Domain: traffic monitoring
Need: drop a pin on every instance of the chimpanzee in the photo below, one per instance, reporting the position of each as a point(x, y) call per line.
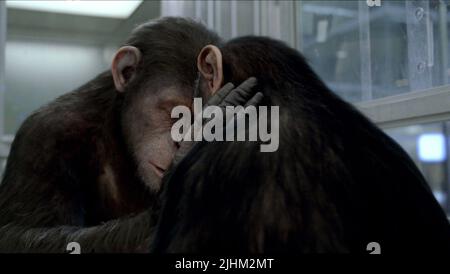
point(335, 184)
point(98, 153)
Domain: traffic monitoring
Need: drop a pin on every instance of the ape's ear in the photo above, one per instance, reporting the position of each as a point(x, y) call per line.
point(209, 63)
point(124, 65)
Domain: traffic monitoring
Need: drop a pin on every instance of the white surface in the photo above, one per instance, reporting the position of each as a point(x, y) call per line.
point(115, 9)
point(431, 147)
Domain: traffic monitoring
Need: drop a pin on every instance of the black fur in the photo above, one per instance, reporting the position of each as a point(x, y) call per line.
point(336, 183)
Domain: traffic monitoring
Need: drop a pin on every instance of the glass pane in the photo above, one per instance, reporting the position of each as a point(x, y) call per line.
point(277, 20)
point(331, 43)
point(244, 18)
point(427, 144)
point(371, 49)
point(222, 19)
point(184, 8)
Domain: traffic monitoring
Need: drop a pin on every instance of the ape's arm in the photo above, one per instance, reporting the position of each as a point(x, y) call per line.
point(44, 198)
point(132, 234)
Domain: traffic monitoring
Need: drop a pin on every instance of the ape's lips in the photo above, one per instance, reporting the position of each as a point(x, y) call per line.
point(157, 169)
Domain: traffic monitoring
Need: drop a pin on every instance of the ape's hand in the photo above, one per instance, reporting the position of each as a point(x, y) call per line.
point(230, 96)
point(243, 95)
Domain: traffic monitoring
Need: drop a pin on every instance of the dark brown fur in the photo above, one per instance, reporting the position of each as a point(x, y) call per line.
point(69, 170)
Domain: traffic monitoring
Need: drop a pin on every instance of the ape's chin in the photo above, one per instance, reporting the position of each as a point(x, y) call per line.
point(150, 177)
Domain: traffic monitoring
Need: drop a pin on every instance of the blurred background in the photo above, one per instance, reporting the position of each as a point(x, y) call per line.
point(389, 58)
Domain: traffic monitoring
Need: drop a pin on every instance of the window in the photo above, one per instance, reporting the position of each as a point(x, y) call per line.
point(428, 146)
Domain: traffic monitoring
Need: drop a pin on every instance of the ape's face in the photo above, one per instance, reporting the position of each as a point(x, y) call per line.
point(147, 125)
point(146, 120)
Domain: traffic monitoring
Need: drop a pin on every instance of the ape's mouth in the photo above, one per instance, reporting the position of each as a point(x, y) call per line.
point(157, 169)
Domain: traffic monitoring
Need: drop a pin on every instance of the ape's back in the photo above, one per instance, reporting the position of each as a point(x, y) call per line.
point(335, 184)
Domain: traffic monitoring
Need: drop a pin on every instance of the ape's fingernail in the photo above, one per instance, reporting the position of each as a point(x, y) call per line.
point(252, 80)
point(229, 85)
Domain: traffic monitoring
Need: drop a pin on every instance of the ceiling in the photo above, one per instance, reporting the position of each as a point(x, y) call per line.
point(38, 25)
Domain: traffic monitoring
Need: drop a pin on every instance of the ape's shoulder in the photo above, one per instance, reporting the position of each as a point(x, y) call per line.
point(73, 113)
point(70, 121)
point(62, 117)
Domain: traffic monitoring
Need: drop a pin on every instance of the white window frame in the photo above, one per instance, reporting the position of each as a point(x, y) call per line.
point(412, 108)
point(425, 104)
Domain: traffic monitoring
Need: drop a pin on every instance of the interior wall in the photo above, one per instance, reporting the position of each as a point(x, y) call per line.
point(49, 54)
point(2, 62)
point(39, 71)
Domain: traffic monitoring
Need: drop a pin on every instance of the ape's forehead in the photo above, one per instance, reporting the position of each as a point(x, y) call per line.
point(172, 96)
point(163, 83)
point(165, 97)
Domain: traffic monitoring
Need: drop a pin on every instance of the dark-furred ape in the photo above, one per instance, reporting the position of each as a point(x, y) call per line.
point(86, 166)
point(336, 183)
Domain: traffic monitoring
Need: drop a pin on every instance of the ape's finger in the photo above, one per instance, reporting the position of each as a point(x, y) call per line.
point(241, 94)
point(248, 84)
point(255, 100)
point(222, 93)
point(185, 147)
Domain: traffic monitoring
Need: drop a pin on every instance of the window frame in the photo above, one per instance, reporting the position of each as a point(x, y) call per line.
point(5, 141)
point(411, 108)
point(3, 25)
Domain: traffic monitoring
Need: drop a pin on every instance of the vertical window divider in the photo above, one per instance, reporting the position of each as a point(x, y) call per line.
point(3, 23)
point(365, 49)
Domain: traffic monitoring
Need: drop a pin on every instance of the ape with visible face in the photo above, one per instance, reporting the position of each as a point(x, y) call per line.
point(98, 154)
point(336, 183)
